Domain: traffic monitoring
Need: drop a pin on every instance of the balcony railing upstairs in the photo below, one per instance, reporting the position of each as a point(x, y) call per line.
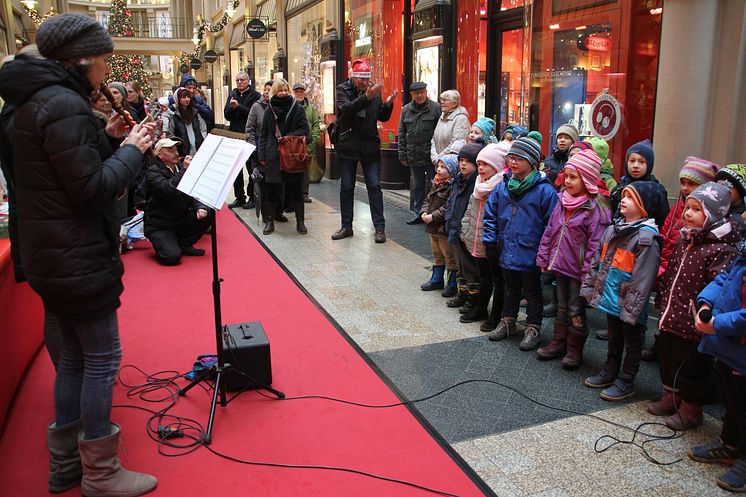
point(156, 26)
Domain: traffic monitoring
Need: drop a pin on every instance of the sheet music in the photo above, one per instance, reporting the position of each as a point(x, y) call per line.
point(214, 167)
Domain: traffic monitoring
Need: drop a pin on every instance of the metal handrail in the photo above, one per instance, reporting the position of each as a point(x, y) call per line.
point(157, 26)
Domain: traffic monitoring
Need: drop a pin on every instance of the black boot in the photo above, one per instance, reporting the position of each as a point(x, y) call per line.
point(460, 298)
point(269, 226)
point(478, 312)
point(300, 217)
point(450, 289)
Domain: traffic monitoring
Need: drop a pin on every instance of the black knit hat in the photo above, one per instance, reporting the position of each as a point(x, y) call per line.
point(470, 151)
point(72, 36)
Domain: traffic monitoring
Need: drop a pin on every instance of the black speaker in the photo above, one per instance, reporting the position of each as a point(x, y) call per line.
point(247, 350)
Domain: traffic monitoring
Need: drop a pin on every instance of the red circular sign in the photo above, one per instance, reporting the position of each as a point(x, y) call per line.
point(605, 116)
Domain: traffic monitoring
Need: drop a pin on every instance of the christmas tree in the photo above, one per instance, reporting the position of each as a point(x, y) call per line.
point(126, 67)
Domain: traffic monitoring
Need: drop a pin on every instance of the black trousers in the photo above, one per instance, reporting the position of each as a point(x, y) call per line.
point(498, 282)
point(468, 270)
point(678, 355)
point(272, 196)
point(238, 185)
point(624, 340)
point(169, 242)
point(732, 388)
point(527, 284)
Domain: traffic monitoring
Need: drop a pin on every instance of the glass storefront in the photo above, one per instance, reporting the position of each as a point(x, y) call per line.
point(572, 53)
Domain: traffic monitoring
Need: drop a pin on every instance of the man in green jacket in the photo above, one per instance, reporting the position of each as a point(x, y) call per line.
point(299, 90)
point(416, 127)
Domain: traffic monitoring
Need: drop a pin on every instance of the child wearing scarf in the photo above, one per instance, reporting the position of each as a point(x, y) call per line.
point(567, 246)
point(514, 220)
point(433, 214)
point(703, 251)
point(490, 169)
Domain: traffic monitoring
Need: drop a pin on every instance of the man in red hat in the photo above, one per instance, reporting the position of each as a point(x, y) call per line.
point(359, 108)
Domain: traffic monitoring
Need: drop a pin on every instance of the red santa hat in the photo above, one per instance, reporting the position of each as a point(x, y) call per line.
point(360, 69)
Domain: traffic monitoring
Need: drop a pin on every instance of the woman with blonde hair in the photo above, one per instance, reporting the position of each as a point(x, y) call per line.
point(283, 117)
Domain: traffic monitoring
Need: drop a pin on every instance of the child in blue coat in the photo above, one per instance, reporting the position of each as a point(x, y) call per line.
point(515, 217)
point(724, 338)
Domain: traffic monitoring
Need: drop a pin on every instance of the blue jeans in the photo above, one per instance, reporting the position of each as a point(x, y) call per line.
point(85, 378)
point(372, 173)
point(421, 177)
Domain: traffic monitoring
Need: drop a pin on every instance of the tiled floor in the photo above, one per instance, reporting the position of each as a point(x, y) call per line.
point(518, 447)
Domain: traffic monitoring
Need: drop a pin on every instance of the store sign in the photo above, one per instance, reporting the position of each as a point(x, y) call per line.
point(183, 69)
point(647, 48)
point(211, 56)
point(598, 43)
point(195, 64)
point(364, 39)
point(606, 116)
point(256, 29)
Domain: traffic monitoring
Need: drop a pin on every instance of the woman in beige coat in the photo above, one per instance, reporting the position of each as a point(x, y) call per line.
point(452, 128)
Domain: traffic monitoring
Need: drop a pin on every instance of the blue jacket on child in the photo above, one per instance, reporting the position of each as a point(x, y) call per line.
point(515, 224)
point(726, 294)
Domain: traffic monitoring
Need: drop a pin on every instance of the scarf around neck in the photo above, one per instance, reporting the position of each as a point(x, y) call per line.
point(482, 189)
point(570, 202)
point(518, 186)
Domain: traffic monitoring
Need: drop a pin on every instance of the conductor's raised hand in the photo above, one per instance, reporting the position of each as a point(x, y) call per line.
point(374, 91)
point(391, 98)
point(141, 136)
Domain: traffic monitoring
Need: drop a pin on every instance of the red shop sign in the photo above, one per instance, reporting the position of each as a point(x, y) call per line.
point(598, 43)
point(606, 115)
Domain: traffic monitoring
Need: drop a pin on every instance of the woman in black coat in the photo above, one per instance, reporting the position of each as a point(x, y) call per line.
point(283, 111)
point(187, 125)
point(67, 177)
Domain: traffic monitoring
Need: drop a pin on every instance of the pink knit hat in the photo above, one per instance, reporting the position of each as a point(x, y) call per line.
point(493, 154)
point(698, 170)
point(587, 164)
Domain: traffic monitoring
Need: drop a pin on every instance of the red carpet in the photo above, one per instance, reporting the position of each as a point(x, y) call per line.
point(167, 319)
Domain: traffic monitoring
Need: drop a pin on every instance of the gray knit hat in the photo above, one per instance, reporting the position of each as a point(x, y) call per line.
point(72, 36)
point(120, 88)
point(526, 148)
point(715, 201)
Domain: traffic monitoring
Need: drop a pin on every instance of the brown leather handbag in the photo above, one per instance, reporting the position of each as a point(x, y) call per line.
point(292, 150)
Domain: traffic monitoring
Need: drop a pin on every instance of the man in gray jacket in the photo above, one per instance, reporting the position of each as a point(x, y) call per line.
point(416, 127)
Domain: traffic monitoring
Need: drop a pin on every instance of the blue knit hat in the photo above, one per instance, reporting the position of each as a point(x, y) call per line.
point(450, 161)
point(470, 151)
point(487, 126)
point(647, 195)
point(644, 148)
point(526, 148)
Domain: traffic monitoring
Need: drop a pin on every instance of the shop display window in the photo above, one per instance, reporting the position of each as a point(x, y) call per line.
point(373, 31)
point(305, 31)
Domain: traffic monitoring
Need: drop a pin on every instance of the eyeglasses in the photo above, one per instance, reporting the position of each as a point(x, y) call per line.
point(513, 159)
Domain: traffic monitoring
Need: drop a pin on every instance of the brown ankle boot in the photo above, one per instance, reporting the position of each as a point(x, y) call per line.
point(688, 416)
point(664, 406)
point(103, 474)
point(65, 470)
point(575, 344)
point(557, 346)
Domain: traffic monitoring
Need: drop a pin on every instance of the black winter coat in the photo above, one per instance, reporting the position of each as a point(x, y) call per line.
point(553, 164)
point(180, 132)
point(357, 123)
point(416, 128)
point(295, 124)
point(240, 114)
point(458, 201)
point(166, 206)
point(66, 184)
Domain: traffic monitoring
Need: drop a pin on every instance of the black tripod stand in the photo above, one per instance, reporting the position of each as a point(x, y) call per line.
point(219, 370)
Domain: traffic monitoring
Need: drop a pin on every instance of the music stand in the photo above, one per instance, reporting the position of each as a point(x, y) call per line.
point(219, 370)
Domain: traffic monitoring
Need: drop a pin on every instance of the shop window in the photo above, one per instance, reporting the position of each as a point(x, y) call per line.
point(305, 31)
point(482, 88)
point(511, 77)
point(510, 4)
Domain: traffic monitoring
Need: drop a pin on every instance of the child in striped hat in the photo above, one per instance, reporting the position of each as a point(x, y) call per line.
point(575, 227)
point(695, 172)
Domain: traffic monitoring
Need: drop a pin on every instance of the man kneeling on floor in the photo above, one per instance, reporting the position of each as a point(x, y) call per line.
point(174, 221)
